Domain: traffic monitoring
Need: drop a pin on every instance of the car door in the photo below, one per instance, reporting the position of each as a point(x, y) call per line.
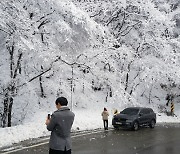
point(150, 115)
point(143, 117)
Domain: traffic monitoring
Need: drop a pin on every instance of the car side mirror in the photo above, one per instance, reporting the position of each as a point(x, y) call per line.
point(140, 114)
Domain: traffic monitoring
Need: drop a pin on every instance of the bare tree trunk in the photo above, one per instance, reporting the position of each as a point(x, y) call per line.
point(72, 71)
point(10, 111)
point(83, 87)
point(127, 78)
point(150, 95)
point(41, 86)
point(11, 89)
point(4, 115)
point(8, 103)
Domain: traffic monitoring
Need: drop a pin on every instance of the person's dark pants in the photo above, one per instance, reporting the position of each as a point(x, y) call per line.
point(51, 151)
point(105, 124)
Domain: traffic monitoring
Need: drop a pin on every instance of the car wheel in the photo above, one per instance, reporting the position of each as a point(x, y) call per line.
point(116, 127)
point(152, 124)
point(135, 126)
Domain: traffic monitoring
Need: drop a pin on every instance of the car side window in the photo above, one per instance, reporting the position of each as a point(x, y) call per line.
point(151, 111)
point(142, 112)
point(145, 111)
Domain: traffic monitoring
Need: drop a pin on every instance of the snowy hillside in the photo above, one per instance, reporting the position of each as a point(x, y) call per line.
point(97, 53)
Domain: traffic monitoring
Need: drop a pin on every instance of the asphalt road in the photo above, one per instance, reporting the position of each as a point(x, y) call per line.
point(163, 139)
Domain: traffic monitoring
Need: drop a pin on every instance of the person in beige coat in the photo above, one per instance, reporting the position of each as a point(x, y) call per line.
point(105, 115)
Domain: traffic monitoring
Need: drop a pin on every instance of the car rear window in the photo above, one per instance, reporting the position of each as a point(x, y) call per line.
point(130, 111)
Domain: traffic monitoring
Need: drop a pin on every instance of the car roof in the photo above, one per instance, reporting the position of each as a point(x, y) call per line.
point(134, 108)
point(137, 108)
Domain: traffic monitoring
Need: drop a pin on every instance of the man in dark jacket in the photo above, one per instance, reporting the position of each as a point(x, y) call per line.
point(60, 125)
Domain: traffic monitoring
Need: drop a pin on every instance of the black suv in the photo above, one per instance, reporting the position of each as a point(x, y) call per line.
point(134, 117)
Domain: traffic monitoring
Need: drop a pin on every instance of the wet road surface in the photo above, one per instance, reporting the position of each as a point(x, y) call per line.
point(163, 139)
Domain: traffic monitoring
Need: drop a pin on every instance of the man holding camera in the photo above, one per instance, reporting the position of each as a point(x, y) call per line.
point(60, 124)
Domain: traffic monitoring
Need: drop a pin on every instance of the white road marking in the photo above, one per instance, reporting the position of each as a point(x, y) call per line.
point(46, 142)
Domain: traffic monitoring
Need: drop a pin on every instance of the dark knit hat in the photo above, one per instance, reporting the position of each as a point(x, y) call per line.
point(62, 101)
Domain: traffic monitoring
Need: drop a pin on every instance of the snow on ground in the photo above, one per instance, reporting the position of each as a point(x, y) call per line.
point(84, 120)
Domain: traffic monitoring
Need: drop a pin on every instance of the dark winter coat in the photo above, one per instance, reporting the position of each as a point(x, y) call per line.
point(60, 127)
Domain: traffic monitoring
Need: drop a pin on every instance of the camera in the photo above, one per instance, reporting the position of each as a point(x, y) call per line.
point(49, 116)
